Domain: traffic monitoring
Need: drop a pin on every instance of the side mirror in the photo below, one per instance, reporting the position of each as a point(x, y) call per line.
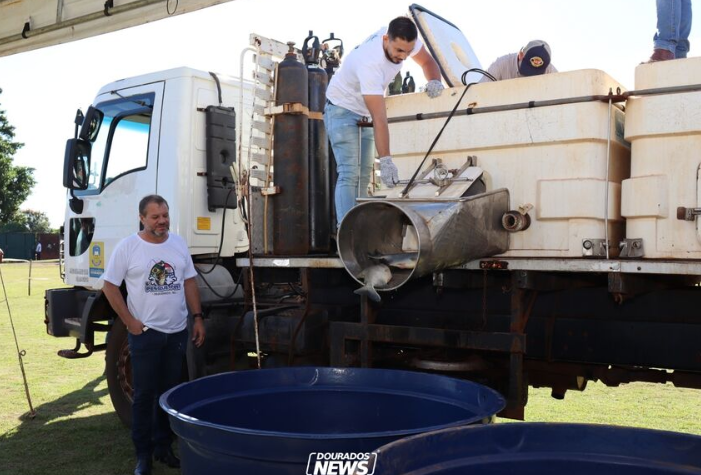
point(76, 164)
point(91, 124)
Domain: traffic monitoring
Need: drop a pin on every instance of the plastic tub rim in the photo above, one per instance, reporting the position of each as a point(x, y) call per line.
point(499, 404)
point(573, 454)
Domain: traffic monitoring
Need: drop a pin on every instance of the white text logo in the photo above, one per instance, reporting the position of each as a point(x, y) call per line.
point(341, 463)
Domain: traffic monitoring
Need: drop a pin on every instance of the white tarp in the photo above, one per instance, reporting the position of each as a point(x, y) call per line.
point(53, 22)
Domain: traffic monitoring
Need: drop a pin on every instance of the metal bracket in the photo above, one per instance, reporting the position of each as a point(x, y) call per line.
point(293, 108)
point(631, 248)
point(27, 28)
point(594, 247)
point(271, 190)
point(258, 174)
point(687, 214)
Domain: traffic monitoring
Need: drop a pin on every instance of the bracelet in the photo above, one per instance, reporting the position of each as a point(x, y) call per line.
point(198, 314)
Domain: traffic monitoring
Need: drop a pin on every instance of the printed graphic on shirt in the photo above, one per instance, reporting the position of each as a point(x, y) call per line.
point(162, 279)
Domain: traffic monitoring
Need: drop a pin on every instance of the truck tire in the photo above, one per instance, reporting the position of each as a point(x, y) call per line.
point(118, 371)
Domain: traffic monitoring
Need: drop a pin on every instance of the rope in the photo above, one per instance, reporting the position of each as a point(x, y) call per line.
point(20, 353)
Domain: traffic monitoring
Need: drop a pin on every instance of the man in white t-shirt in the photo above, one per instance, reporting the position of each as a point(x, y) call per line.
point(37, 251)
point(356, 93)
point(160, 280)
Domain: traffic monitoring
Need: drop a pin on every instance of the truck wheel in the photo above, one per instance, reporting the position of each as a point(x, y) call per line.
point(118, 371)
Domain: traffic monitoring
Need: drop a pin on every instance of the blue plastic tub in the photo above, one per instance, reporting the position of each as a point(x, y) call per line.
point(542, 449)
point(272, 421)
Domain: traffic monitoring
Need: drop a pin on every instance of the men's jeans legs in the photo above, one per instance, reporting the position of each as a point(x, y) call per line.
point(353, 177)
point(673, 26)
point(156, 360)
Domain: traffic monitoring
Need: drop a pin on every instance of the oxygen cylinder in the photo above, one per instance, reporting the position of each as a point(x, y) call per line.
point(291, 161)
point(319, 203)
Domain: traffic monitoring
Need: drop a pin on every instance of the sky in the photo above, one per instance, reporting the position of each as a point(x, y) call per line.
point(42, 89)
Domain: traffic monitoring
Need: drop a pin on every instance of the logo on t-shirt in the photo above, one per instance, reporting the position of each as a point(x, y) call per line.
point(162, 279)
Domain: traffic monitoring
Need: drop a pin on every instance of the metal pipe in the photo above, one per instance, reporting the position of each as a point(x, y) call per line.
point(662, 90)
point(59, 10)
point(423, 200)
point(606, 183)
point(614, 98)
point(505, 107)
point(514, 221)
point(77, 21)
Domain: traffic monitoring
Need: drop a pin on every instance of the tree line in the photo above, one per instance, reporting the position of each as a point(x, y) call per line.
point(16, 183)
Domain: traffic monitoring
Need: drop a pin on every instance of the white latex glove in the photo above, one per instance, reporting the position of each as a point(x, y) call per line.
point(434, 88)
point(388, 172)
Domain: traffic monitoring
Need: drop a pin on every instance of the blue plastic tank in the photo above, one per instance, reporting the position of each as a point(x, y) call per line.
point(542, 449)
point(296, 420)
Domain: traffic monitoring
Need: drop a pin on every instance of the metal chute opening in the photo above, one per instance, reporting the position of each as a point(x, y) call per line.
point(379, 232)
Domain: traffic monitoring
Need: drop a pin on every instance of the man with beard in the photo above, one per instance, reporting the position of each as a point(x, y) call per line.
point(356, 94)
point(160, 279)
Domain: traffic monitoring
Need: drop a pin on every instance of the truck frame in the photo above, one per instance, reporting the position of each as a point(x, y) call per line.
point(507, 321)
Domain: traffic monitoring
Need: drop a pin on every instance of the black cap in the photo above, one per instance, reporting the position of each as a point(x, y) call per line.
point(536, 58)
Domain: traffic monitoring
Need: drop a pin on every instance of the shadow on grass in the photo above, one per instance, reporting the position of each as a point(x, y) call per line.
point(60, 441)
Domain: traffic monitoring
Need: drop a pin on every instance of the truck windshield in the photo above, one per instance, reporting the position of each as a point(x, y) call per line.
point(121, 147)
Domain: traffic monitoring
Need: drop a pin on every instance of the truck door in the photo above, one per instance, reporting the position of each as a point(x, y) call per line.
point(123, 169)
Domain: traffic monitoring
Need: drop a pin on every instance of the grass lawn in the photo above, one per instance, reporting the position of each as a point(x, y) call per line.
point(76, 431)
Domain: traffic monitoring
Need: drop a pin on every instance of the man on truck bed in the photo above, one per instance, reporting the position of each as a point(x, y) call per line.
point(160, 279)
point(532, 60)
point(671, 40)
point(356, 92)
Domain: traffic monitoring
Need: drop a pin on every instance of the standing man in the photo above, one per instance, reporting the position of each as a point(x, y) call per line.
point(356, 92)
point(160, 279)
point(532, 60)
point(671, 41)
point(37, 251)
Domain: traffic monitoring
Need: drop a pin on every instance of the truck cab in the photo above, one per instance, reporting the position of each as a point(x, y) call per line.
point(150, 138)
point(144, 135)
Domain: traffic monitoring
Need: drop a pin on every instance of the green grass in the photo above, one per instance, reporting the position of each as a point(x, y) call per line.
point(76, 431)
point(648, 405)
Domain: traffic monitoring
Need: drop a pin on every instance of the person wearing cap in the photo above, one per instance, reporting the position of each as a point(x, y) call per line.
point(357, 92)
point(671, 40)
point(532, 60)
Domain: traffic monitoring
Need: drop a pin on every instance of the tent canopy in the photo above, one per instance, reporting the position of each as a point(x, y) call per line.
point(31, 24)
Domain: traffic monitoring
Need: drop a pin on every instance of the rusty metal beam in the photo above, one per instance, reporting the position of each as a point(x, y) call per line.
point(340, 332)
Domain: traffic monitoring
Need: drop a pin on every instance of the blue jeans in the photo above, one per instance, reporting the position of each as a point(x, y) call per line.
point(156, 366)
point(354, 167)
point(673, 26)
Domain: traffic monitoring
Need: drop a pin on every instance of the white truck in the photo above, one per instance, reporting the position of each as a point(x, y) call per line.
point(550, 237)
